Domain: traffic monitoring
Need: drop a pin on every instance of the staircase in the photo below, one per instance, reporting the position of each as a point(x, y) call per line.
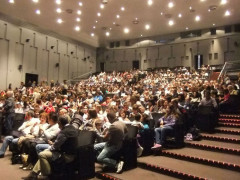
point(216, 156)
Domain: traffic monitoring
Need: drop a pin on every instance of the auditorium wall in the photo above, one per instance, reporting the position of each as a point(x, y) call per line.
point(24, 51)
point(151, 53)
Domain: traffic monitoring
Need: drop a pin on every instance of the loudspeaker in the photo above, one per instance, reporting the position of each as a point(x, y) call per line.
point(27, 40)
point(57, 65)
point(20, 67)
point(52, 47)
point(71, 52)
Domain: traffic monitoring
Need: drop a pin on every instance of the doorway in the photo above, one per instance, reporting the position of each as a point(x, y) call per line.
point(135, 64)
point(30, 78)
point(198, 61)
point(102, 66)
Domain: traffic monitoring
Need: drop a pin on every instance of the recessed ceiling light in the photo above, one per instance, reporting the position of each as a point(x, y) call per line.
point(36, 1)
point(161, 13)
point(38, 11)
point(94, 27)
point(126, 30)
point(101, 6)
point(59, 20)
point(79, 12)
point(170, 4)
point(171, 22)
point(213, 24)
point(190, 7)
point(179, 15)
point(96, 21)
point(80, 3)
point(58, 1)
point(78, 19)
point(197, 18)
point(98, 14)
point(114, 23)
point(141, 35)
point(147, 26)
point(117, 16)
point(59, 10)
point(110, 29)
point(92, 34)
point(122, 8)
point(77, 28)
point(227, 13)
point(186, 28)
point(11, 1)
point(203, 0)
point(223, 2)
point(150, 2)
point(107, 34)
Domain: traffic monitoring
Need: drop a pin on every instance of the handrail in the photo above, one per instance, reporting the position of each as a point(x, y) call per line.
point(222, 71)
point(78, 77)
point(224, 67)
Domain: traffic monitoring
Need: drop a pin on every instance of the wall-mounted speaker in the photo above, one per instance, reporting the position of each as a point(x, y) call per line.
point(52, 47)
point(57, 65)
point(236, 44)
point(27, 40)
point(20, 67)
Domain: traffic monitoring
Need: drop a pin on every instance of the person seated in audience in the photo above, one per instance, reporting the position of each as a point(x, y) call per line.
point(18, 108)
point(47, 136)
point(167, 123)
point(24, 129)
point(65, 145)
point(114, 136)
point(208, 100)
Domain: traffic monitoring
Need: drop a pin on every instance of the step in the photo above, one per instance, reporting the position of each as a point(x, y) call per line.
point(229, 124)
point(229, 115)
point(137, 173)
point(225, 120)
point(226, 161)
point(215, 146)
point(221, 137)
point(199, 171)
point(228, 130)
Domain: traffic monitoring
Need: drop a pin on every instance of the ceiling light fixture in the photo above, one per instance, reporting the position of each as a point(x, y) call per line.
point(213, 24)
point(59, 20)
point(77, 28)
point(150, 2)
point(80, 4)
point(141, 35)
point(79, 12)
point(78, 19)
point(11, 1)
point(107, 34)
point(227, 13)
point(170, 4)
point(170, 22)
point(101, 6)
point(96, 21)
point(94, 27)
point(98, 14)
point(197, 18)
point(36, 1)
point(161, 13)
point(122, 9)
point(92, 34)
point(58, 1)
point(186, 28)
point(179, 15)
point(126, 30)
point(147, 26)
point(223, 2)
point(117, 16)
point(59, 10)
point(38, 11)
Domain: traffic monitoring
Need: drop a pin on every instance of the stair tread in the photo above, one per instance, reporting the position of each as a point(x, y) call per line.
point(192, 168)
point(228, 128)
point(139, 173)
point(216, 143)
point(222, 135)
point(216, 156)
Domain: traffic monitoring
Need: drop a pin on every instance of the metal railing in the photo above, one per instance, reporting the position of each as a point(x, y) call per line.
point(78, 78)
point(230, 66)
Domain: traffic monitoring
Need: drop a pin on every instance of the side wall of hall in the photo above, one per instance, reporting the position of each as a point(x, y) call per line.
point(151, 53)
point(48, 57)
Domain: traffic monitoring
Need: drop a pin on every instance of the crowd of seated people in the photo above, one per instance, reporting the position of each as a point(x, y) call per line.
point(105, 103)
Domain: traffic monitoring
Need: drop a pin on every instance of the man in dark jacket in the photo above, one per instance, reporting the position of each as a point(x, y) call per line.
point(8, 109)
point(64, 145)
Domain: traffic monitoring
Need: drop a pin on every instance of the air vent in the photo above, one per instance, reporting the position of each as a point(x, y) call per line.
point(212, 7)
point(135, 21)
point(69, 11)
point(104, 28)
point(117, 25)
point(104, 1)
point(168, 16)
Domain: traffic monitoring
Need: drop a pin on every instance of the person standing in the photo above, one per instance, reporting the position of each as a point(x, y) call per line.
point(8, 109)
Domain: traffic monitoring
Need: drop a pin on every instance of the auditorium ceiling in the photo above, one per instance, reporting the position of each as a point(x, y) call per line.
point(96, 22)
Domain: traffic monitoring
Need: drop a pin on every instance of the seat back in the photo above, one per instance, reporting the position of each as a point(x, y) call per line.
point(86, 138)
point(156, 116)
